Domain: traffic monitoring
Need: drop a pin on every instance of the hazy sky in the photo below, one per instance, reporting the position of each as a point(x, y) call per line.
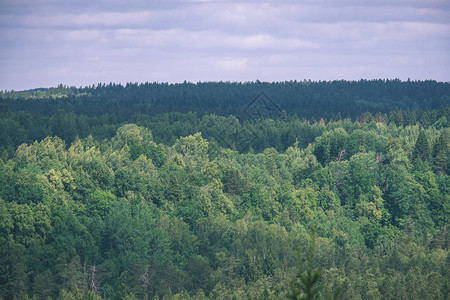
point(47, 42)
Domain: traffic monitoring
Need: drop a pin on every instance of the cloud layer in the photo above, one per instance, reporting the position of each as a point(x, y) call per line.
point(46, 42)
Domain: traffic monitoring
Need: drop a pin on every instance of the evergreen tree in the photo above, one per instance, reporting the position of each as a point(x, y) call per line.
point(306, 285)
point(421, 148)
point(441, 153)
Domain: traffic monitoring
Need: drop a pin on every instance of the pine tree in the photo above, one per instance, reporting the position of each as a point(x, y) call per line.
point(421, 149)
point(441, 143)
point(440, 153)
point(306, 284)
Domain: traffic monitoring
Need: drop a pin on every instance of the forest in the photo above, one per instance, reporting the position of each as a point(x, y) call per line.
point(226, 190)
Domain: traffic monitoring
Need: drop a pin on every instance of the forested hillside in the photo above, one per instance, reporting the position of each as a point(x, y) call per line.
point(166, 192)
point(323, 99)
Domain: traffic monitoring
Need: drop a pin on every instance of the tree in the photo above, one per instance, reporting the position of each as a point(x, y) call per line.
point(421, 148)
point(306, 285)
point(99, 202)
point(131, 134)
point(441, 151)
point(194, 149)
point(132, 236)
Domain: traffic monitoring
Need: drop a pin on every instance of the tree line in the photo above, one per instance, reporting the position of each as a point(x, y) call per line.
point(307, 99)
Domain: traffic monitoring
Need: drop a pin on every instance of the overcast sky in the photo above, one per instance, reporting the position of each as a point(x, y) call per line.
point(47, 42)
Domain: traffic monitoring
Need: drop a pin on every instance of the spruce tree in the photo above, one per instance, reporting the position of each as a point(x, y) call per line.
point(441, 143)
point(421, 149)
point(306, 285)
point(441, 153)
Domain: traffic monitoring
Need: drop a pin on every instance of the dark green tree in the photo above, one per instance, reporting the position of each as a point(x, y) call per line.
point(306, 285)
point(441, 151)
point(421, 148)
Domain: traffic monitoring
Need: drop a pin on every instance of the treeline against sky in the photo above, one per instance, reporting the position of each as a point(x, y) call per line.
point(306, 99)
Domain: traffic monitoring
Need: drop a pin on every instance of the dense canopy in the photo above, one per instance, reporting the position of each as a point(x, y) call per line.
point(166, 191)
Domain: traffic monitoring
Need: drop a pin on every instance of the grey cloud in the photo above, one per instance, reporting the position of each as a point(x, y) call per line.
point(45, 42)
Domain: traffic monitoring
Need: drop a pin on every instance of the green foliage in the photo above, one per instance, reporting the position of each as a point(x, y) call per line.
point(194, 150)
point(158, 210)
point(99, 202)
point(441, 153)
point(131, 134)
point(421, 148)
point(132, 235)
point(306, 285)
